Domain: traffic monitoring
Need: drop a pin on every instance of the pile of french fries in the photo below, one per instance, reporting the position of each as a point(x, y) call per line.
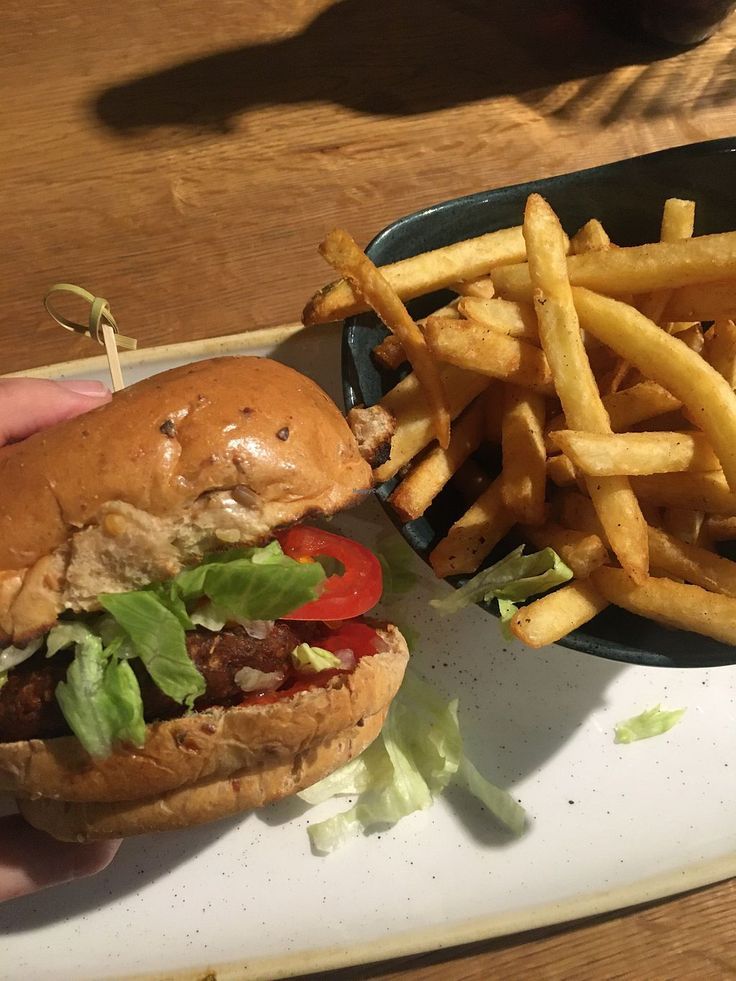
point(607, 377)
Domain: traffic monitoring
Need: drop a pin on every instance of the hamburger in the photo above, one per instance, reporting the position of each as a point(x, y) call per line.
point(176, 643)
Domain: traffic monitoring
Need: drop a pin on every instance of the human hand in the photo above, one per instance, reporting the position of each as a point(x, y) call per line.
point(30, 404)
point(29, 859)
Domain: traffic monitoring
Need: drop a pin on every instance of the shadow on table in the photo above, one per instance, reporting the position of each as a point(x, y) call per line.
point(419, 56)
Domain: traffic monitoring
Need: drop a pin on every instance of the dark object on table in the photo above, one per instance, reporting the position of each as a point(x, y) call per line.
point(680, 22)
point(627, 197)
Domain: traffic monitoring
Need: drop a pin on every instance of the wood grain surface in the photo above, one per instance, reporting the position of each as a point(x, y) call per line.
point(184, 158)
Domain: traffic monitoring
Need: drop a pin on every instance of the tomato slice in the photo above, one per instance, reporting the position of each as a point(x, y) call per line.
point(344, 596)
point(361, 639)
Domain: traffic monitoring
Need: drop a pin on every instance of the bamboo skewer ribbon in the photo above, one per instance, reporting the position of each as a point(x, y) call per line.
point(101, 327)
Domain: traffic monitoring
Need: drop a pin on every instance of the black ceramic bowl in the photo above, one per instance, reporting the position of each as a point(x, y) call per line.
point(627, 197)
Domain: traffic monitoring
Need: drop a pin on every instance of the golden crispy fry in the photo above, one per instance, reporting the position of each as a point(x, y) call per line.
point(482, 287)
point(555, 615)
point(561, 471)
point(707, 492)
point(581, 552)
point(674, 604)
point(703, 301)
point(678, 223)
point(523, 474)
point(427, 478)
point(592, 237)
point(720, 349)
point(719, 529)
point(602, 455)
point(627, 408)
point(474, 535)
point(662, 265)
point(695, 565)
point(390, 352)
point(562, 342)
point(513, 319)
point(707, 395)
point(422, 274)
point(343, 254)
point(691, 337)
point(683, 524)
point(407, 404)
point(471, 345)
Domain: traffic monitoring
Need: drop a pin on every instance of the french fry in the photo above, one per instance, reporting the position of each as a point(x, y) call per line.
point(706, 394)
point(482, 288)
point(702, 301)
point(390, 352)
point(683, 524)
point(523, 474)
point(513, 319)
point(554, 616)
point(562, 342)
point(473, 346)
point(561, 471)
point(423, 273)
point(603, 455)
point(640, 269)
point(474, 535)
point(407, 403)
point(581, 552)
point(627, 407)
point(592, 237)
point(692, 337)
point(707, 492)
point(343, 254)
point(690, 562)
point(720, 349)
point(718, 528)
point(427, 478)
point(674, 604)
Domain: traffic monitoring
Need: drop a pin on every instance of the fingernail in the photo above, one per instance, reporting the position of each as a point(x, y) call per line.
point(92, 389)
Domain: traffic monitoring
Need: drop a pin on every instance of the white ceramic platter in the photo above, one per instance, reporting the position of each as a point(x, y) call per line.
point(610, 825)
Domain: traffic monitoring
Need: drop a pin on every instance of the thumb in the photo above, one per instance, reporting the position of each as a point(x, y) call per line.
point(31, 860)
point(30, 404)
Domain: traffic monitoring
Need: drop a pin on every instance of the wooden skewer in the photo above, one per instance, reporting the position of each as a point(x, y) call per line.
point(101, 327)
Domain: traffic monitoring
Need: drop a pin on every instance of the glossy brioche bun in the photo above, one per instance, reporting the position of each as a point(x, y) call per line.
point(209, 744)
point(207, 800)
point(162, 443)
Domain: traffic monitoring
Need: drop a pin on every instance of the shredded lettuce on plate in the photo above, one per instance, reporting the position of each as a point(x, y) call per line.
point(515, 578)
point(652, 722)
point(417, 755)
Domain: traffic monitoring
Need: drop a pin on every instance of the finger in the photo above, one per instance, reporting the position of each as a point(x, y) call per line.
point(30, 404)
point(31, 860)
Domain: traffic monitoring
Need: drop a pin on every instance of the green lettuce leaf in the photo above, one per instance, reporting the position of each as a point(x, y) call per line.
point(652, 722)
point(396, 560)
point(515, 578)
point(418, 754)
point(254, 583)
point(100, 698)
point(158, 638)
point(314, 659)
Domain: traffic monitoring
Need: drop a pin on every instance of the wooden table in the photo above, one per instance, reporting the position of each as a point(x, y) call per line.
point(184, 158)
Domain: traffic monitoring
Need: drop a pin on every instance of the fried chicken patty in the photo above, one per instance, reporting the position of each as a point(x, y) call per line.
point(29, 710)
